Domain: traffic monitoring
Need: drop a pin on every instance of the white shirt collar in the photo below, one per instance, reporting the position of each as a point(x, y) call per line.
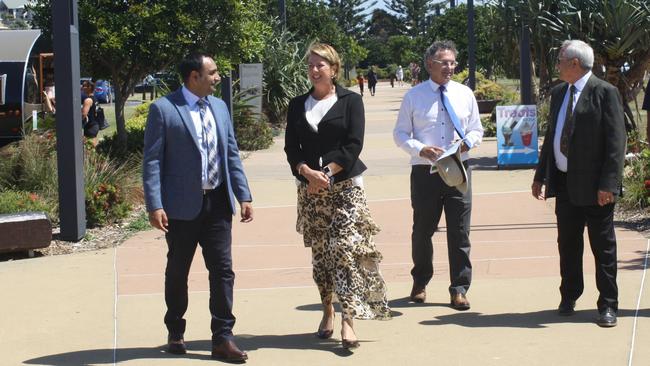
point(580, 84)
point(435, 86)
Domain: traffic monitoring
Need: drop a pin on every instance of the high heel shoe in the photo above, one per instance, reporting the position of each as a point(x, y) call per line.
point(326, 333)
point(350, 344)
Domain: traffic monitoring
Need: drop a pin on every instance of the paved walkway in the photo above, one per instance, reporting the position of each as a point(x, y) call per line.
point(106, 307)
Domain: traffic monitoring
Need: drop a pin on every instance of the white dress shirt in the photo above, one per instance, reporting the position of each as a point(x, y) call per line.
point(560, 159)
point(423, 121)
point(192, 102)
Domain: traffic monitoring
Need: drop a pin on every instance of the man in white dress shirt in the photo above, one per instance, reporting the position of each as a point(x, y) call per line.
point(433, 115)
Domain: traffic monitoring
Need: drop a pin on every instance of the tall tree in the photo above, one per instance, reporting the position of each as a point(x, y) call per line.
point(127, 40)
point(315, 20)
point(351, 15)
point(383, 25)
point(414, 13)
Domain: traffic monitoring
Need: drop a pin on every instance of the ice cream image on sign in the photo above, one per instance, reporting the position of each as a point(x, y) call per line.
point(507, 132)
point(526, 132)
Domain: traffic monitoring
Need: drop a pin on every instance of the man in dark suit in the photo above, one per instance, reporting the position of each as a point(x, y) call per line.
point(192, 174)
point(581, 165)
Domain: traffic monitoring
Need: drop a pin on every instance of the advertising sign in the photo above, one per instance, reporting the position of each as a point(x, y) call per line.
point(517, 135)
point(251, 85)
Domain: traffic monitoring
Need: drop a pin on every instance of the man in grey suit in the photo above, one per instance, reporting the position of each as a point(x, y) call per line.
point(581, 165)
point(192, 174)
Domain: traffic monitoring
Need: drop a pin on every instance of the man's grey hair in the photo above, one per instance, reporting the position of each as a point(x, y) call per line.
point(440, 46)
point(578, 49)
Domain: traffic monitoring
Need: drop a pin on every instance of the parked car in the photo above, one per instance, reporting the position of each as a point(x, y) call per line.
point(103, 91)
point(164, 80)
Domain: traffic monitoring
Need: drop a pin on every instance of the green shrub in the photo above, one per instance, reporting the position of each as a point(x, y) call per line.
point(252, 134)
point(284, 75)
point(543, 116)
point(21, 201)
point(111, 188)
point(486, 89)
point(489, 127)
point(134, 136)
point(636, 173)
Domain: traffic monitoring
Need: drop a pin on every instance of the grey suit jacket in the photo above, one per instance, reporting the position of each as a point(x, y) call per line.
point(171, 170)
point(596, 147)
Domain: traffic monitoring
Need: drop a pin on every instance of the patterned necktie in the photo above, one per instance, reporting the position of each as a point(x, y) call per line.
point(209, 142)
point(567, 130)
point(451, 112)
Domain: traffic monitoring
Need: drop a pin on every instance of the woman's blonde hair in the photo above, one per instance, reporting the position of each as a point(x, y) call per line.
point(329, 54)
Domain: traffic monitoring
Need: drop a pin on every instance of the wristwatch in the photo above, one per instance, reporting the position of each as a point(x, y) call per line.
point(326, 169)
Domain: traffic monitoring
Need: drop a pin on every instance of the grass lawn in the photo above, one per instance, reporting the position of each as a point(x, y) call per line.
point(109, 112)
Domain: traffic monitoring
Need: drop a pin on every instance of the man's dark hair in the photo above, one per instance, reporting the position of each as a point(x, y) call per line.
point(440, 46)
point(191, 62)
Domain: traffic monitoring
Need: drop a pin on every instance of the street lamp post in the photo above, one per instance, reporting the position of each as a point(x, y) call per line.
point(471, 49)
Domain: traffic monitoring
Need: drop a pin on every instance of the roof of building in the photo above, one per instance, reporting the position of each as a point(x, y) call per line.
point(15, 45)
point(14, 4)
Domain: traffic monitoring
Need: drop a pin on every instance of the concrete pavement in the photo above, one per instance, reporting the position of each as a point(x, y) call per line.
point(106, 307)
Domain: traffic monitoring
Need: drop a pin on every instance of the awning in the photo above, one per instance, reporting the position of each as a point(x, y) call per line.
point(15, 45)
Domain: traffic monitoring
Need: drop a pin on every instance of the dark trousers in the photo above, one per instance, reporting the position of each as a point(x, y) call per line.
point(212, 230)
point(571, 222)
point(429, 196)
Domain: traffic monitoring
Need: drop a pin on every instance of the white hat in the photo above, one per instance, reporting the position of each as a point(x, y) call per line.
point(451, 169)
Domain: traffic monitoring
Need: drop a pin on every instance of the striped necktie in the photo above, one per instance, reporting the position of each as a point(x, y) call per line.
point(209, 142)
point(567, 129)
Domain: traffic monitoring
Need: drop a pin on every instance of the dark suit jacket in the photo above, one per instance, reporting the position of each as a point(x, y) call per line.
point(171, 170)
point(339, 138)
point(596, 147)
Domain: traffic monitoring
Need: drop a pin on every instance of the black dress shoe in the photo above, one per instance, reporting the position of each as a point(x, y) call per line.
point(227, 351)
point(607, 318)
point(176, 344)
point(566, 307)
point(459, 302)
point(418, 294)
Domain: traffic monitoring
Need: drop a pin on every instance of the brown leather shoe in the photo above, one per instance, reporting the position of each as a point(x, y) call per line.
point(459, 302)
point(418, 294)
point(176, 344)
point(227, 351)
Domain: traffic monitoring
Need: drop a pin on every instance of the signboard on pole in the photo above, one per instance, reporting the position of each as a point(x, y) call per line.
point(517, 135)
point(250, 83)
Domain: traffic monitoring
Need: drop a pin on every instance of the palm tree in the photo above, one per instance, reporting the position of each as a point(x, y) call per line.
point(618, 31)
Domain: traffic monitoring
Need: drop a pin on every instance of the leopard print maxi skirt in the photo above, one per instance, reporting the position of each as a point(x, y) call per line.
point(336, 224)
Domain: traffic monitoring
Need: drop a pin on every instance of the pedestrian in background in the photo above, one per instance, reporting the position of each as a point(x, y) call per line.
point(360, 82)
point(372, 80)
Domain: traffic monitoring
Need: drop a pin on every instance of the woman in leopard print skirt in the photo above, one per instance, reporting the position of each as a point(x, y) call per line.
point(323, 140)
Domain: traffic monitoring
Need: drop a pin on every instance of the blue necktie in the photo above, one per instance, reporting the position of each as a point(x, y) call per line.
point(450, 111)
point(210, 143)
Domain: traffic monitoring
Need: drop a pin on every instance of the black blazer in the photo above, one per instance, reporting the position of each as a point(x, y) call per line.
point(596, 147)
point(339, 138)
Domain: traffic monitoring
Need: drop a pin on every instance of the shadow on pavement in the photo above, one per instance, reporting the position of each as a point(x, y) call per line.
point(536, 319)
point(337, 308)
point(638, 263)
point(247, 342)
